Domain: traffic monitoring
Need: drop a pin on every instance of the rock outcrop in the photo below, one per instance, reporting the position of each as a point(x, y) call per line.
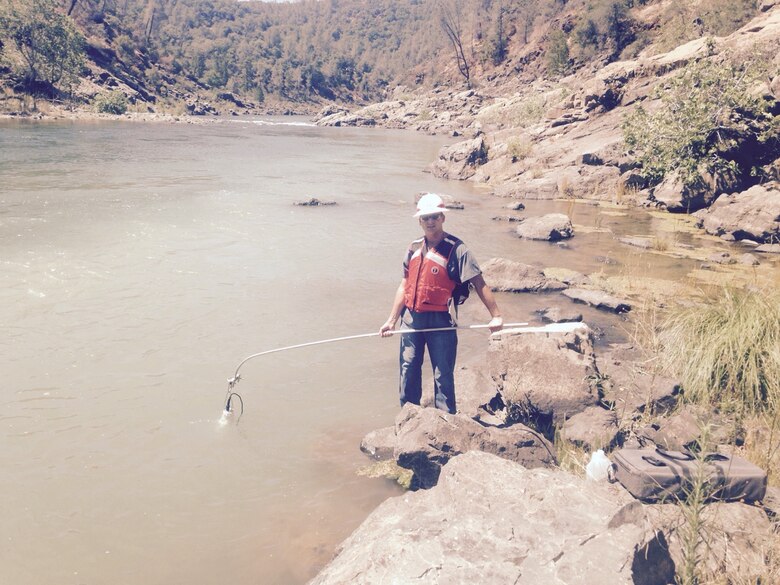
point(427, 438)
point(490, 520)
point(553, 383)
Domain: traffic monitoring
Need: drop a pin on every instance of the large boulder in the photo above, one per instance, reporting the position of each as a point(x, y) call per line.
point(543, 378)
point(510, 276)
point(753, 214)
point(551, 227)
point(677, 197)
point(490, 520)
point(427, 438)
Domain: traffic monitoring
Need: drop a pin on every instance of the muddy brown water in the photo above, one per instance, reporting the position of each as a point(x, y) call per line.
point(142, 262)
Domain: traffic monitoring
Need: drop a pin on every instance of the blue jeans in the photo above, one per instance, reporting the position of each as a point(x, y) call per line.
point(442, 347)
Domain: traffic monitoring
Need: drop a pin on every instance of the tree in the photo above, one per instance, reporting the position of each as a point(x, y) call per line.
point(450, 21)
point(47, 41)
point(499, 43)
point(557, 55)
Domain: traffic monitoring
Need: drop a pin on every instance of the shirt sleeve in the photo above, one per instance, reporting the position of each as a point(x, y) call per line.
point(407, 258)
point(463, 265)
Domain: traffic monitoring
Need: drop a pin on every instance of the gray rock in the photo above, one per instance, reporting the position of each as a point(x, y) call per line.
point(588, 158)
point(686, 428)
point(314, 202)
point(516, 206)
point(379, 444)
point(598, 299)
point(753, 214)
point(427, 438)
point(769, 248)
point(593, 428)
point(736, 540)
point(676, 197)
point(553, 382)
point(632, 180)
point(566, 276)
point(551, 227)
point(492, 521)
point(644, 243)
point(558, 315)
point(629, 389)
point(460, 160)
point(721, 258)
point(510, 276)
point(477, 395)
point(749, 260)
point(771, 501)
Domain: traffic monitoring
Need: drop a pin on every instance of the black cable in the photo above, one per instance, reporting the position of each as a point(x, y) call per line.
point(240, 400)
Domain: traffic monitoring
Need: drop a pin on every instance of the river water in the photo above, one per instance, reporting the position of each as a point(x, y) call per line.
point(140, 264)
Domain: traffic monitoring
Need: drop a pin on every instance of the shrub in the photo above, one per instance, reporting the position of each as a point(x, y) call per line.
point(707, 115)
point(114, 102)
point(727, 352)
point(518, 148)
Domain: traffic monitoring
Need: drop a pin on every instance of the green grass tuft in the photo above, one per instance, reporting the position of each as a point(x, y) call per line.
point(727, 352)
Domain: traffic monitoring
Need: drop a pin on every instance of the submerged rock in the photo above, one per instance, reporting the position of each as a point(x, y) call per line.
point(313, 202)
point(551, 227)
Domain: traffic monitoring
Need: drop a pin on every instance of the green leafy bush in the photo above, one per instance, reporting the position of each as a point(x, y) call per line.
point(114, 102)
point(710, 121)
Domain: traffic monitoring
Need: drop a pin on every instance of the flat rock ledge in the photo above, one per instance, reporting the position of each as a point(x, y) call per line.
point(490, 520)
point(598, 299)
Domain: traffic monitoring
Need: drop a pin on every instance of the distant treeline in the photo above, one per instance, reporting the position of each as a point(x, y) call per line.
point(344, 50)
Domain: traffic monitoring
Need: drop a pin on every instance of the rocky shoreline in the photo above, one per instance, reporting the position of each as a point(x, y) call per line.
point(490, 501)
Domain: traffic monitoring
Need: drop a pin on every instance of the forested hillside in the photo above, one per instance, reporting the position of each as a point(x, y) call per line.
point(161, 54)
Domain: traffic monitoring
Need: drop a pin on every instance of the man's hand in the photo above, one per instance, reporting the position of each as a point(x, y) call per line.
point(387, 329)
point(496, 324)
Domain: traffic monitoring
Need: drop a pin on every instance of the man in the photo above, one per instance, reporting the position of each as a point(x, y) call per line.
point(436, 267)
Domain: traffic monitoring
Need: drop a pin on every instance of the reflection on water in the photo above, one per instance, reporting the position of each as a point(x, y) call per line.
point(141, 263)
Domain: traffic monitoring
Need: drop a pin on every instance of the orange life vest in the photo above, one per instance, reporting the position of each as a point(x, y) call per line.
point(428, 285)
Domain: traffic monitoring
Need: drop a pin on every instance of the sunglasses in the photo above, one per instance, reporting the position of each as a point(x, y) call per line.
point(435, 217)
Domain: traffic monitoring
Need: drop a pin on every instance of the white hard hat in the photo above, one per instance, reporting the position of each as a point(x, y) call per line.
point(429, 204)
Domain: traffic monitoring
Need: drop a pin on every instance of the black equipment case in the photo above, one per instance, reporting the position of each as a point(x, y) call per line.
point(653, 474)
